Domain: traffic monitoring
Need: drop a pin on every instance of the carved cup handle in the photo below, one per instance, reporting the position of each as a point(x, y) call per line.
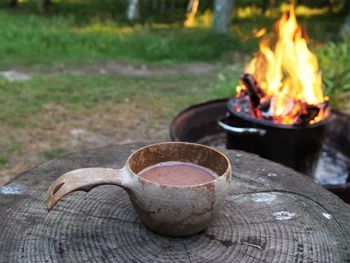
point(82, 179)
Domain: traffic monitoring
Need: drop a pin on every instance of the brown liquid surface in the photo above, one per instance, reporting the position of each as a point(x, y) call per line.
point(177, 174)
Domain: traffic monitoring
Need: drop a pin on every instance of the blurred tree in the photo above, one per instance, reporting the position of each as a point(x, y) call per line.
point(319, 3)
point(13, 3)
point(222, 16)
point(166, 6)
point(346, 7)
point(345, 30)
point(266, 4)
point(133, 10)
point(43, 4)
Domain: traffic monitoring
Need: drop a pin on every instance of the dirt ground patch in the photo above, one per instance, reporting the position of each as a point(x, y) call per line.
point(113, 67)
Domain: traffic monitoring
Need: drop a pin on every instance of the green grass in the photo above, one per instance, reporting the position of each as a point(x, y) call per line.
point(19, 100)
point(320, 28)
point(3, 161)
point(34, 39)
point(334, 61)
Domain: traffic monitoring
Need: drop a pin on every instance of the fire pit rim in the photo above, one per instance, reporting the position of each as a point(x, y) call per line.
point(272, 124)
point(173, 135)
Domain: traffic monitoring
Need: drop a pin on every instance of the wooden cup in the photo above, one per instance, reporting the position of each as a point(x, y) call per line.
point(165, 209)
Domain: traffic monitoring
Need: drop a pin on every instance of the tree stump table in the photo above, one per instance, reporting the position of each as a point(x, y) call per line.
point(272, 214)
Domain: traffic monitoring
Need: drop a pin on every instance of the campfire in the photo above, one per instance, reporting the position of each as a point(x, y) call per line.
point(280, 112)
point(282, 83)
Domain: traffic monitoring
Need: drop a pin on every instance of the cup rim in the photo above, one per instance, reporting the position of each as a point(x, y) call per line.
point(180, 186)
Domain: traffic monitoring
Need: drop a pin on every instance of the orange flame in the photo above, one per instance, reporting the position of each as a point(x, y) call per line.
point(289, 74)
point(259, 33)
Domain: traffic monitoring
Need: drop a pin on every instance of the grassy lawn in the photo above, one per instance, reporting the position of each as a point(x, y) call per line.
point(53, 114)
point(35, 39)
point(70, 104)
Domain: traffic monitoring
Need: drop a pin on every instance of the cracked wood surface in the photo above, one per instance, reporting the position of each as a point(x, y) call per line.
point(272, 214)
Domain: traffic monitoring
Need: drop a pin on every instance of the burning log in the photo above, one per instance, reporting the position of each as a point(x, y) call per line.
point(254, 102)
point(254, 91)
point(309, 113)
point(264, 109)
point(244, 105)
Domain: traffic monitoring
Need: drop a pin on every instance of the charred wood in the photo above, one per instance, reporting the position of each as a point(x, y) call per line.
point(254, 91)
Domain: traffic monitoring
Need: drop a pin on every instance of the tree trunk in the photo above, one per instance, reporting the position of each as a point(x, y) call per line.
point(133, 10)
point(265, 6)
point(13, 3)
point(173, 6)
point(345, 31)
point(162, 7)
point(222, 16)
point(154, 5)
point(43, 4)
point(346, 7)
point(331, 4)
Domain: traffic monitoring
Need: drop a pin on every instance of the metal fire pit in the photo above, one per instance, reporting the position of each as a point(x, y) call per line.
point(298, 147)
point(199, 123)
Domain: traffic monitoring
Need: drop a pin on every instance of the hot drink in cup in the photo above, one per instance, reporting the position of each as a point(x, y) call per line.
point(176, 188)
